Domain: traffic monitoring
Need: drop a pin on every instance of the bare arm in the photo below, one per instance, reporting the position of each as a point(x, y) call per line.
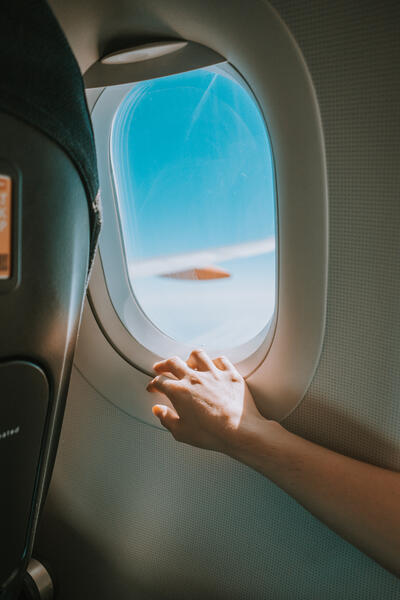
point(214, 410)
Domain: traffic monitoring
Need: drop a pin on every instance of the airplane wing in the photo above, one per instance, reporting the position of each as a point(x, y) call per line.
point(185, 265)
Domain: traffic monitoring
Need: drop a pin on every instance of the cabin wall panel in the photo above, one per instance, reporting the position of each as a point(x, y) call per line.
point(131, 513)
point(353, 54)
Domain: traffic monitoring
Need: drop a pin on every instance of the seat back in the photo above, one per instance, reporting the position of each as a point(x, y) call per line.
point(49, 222)
point(40, 305)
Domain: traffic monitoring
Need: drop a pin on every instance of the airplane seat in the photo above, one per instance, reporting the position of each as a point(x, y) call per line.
point(49, 223)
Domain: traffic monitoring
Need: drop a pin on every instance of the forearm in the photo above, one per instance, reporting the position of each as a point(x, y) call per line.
point(359, 501)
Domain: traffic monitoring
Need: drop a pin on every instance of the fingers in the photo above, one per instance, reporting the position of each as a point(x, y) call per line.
point(199, 360)
point(162, 385)
point(225, 364)
point(174, 365)
point(168, 417)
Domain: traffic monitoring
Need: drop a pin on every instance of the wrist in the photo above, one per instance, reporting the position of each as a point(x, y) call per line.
point(258, 439)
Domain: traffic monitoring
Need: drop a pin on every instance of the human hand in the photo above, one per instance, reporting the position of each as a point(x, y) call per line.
point(213, 407)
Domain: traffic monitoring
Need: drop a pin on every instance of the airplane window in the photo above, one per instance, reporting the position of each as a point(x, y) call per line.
point(194, 178)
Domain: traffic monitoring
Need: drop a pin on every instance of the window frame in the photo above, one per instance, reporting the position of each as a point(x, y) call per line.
point(269, 59)
point(140, 341)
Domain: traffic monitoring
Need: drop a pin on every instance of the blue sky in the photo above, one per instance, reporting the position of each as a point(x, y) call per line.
point(193, 170)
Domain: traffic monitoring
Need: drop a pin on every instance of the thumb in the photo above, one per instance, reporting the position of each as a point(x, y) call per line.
point(168, 417)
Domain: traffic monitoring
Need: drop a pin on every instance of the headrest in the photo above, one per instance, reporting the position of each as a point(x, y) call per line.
point(41, 83)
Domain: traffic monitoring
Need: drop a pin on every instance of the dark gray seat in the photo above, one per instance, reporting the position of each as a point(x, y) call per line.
point(47, 156)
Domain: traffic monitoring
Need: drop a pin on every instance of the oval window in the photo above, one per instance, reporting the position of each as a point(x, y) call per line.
point(194, 178)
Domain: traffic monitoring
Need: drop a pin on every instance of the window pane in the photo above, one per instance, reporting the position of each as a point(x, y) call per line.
point(194, 178)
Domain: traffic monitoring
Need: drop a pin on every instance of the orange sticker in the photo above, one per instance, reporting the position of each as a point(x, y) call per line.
point(5, 226)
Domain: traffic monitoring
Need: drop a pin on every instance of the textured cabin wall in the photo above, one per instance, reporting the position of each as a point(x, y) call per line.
point(352, 50)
